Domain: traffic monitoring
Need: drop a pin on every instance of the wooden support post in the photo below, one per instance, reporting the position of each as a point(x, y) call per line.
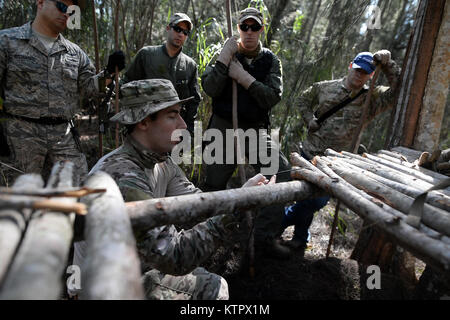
point(13, 223)
point(111, 269)
point(37, 269)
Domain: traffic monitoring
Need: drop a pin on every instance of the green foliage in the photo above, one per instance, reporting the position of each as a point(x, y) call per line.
point(298, 23)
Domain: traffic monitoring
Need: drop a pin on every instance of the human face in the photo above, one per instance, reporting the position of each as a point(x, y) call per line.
point(159, 131)
point(249, 38)
point(51, 16)
point(176, 39)
point(357, 78)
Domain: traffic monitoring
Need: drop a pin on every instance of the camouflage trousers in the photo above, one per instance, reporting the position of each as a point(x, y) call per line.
point(268, 221)
point(197, 285)
point(35, 147)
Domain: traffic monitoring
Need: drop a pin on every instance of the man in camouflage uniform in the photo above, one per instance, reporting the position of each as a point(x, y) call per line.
point(143, 169)
point(338, 129)
point(167, 61)
point(258, 74)
point(41, 77)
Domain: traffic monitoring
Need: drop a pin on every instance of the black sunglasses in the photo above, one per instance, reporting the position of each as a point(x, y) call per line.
point(178, 30)
point(62, 7)
point(254, 27)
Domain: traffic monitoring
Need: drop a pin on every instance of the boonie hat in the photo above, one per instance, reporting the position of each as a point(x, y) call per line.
point(364, 60)
point(141, 98)
point(179, 17)
point(251, 13)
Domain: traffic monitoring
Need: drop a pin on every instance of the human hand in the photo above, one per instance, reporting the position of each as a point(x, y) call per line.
point(259, 180)
point(382, 57)
point(238, 73)
point(230, 47)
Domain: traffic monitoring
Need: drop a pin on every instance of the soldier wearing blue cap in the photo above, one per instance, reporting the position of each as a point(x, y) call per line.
point(332, 112)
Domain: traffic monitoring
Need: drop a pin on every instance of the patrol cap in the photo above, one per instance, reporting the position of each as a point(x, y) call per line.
point(180, 17)
point(251, 13)
point(364, 60)
point(141, 98)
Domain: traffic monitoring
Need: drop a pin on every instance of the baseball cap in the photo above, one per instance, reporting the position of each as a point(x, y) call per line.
point(364, 60)
point(251, 13)
point(179, 17)
point(141, 98)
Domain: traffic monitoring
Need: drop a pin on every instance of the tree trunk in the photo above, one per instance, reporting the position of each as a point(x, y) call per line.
point(276, 19)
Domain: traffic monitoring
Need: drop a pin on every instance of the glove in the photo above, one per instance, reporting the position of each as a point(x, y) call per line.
point(237, 72)
point(229, 49)
point(382, 56)
point(116, 59)
point(313, 126)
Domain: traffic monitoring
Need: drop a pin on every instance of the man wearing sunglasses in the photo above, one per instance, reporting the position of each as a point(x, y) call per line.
point(42, 76)
point(167, 61)
point(258, 72)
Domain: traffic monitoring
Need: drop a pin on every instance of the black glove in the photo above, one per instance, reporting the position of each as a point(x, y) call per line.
point(116, 59)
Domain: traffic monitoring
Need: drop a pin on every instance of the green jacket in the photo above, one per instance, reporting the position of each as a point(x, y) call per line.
point(153, 62)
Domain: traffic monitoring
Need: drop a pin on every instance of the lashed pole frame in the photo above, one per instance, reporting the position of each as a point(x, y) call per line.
point(116, 35)
point(237, 146)
point(97, 70)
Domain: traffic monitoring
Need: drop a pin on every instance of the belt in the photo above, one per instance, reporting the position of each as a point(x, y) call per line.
point(43, 120)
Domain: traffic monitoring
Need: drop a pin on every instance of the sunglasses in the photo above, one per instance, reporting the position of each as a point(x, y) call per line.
point(254, 27)
point(62, 7)
point(177, 29)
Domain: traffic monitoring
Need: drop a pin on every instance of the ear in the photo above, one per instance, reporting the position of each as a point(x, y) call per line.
point(143, 124)
point(167, 28)
point(39, 4)
point(350, 65)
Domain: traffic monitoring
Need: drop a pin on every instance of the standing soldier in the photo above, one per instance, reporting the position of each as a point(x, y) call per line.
point(258, 74)
point(42, 75)
point(167, 61)
point(332, 112)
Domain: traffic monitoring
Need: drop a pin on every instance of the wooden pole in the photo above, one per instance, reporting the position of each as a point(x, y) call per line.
point(13, 223)
point(116, 33)
point(97, 68)
point(197, 207)
point(111, 269)
point(42, 256)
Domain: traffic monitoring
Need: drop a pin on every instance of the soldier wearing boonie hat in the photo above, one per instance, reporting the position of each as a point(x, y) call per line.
point(142, 173)
point(141, 98)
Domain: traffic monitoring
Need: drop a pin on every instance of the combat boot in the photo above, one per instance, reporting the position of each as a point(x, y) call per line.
point(275, 249)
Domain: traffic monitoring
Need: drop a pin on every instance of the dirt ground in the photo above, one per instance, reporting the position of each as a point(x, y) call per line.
point(310, 276)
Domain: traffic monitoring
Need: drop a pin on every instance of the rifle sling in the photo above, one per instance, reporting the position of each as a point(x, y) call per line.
point(338, 107)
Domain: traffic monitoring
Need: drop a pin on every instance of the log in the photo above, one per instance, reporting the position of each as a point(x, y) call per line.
point(13, 223)
point(393, 154)
point(429, 250)
point(415, 166)
point(386, 164)
point(408, 153)
point(421, 173)
point(39, 264)
point(435, 218)
point(325, 165)
point(389, 173)
point(111, 269)
point(184, 209)
point(436, 199)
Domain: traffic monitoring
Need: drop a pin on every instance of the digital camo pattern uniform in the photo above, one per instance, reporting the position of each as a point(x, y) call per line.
point(174, 254)
point(37, 85)
point(154, 62)
point(338, 130)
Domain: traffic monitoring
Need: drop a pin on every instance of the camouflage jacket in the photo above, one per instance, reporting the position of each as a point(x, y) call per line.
point(153, 62)
point(141, 174)
point(265, 93)
point(337, 131)
point(37, 84)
